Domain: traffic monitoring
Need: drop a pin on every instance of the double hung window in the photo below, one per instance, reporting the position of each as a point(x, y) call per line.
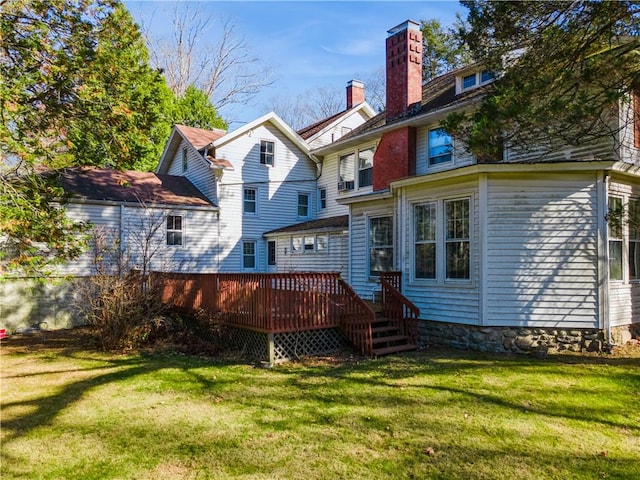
point(250, 201)
point(174, 229)
point(267, 150)
point(440, 146)
point(380, 245)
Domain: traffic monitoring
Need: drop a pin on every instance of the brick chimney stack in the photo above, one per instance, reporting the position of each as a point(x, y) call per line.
point(355, 93)
point(404, 68)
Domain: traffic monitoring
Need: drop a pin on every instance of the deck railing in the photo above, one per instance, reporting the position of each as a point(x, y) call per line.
point(396, 307)
point(273, 303)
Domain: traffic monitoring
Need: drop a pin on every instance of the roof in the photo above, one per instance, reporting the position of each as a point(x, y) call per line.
point(323, 224)
point(310, 130)
point(106, 184)
point(199, 137)
point(437, 94)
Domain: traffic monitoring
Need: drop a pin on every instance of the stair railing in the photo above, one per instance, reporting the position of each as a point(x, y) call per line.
point(355, 317)
point(398, 308)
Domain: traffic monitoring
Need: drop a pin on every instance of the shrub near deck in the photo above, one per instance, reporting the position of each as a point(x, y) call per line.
point(68, 412)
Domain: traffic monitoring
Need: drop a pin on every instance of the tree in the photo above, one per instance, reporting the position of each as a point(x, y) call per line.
point(442, 50)
point(195, 110)
point(562, 67)
point(308, 107)
point(60, 79)
point(124, 107)
point(226, 70)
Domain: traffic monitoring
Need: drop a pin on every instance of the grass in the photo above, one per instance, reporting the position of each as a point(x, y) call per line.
point(68, 413)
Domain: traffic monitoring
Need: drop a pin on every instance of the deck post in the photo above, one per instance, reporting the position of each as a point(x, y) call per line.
point(271, 348)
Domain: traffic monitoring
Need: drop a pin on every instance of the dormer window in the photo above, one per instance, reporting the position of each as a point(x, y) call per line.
point(475, 79)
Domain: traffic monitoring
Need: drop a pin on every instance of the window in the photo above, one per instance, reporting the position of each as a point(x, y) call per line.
point(457, 239)
point(249, 255)
point(636, 118)
point(303, 205)
point(634, 239)
point(425, 240)
point(250, 201)
point(174, 229)
point(365, 168)
point(469, 81)
point(309, 244)
point(266, 152)
point(347, 172)
point(185, 160)
point(614, 226)
point(322, 199)
point(380, 245)
point(271, 252)
point(296, 245)
point(322, 243)
point(487, 76)
point(440, 146)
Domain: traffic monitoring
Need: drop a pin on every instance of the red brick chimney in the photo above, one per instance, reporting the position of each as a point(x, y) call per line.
point(404, 68)
point(355, 93)
point(395, 155)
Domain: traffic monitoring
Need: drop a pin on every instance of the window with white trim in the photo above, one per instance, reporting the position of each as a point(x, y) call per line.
point(249, 255)
point(380, 245)
point(614, 227)
point(425, 240)
point(271, 252)
point(322, 199)
point(634, 239)
point(347, 174)
point(303, 205)
point(309, 244)
point(457, 240)
point(174, 230)
point(365, 167)
point(267, 152)
point(185, 160)
point(250, 201)
point(474, 79)
point(440, 146)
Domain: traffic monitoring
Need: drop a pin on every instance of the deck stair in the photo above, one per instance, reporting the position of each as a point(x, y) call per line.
point(387, 337)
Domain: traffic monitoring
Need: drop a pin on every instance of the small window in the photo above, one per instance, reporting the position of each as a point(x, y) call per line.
point(615, 238)
point(365, 168)
point(296, 245)
point(266, 152)
point(174, 230)
point(271, 252)
point(380, 245)
point(440, 146)
point(487, 76)
point(636, 118)
point(309, 244)
point(249, 255)
point(185, 160)
point(469, 81)
point(322, 243)
point(303, 205)
point(322, 199)
point(425, 240)
point(250, 201)
point(347, 172)
point(457, 239)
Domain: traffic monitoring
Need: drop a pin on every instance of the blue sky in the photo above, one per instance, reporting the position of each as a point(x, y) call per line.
point(307, 43)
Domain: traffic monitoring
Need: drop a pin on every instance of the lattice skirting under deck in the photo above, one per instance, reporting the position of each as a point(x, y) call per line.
point(280, 347)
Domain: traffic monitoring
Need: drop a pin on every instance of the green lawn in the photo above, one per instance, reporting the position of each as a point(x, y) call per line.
point(70, 413)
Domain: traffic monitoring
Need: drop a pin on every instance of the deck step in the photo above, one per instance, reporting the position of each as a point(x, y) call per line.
point(394, 349)
point(390, 339)
point(384, 329)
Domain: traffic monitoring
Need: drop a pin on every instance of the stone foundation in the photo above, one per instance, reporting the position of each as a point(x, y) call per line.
point(621, 335)
point(536, 341)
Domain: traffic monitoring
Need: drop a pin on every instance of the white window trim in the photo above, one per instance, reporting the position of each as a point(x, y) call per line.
point(275, 253)
point(441, 165)
point(368, 241)
point(273, 163)
point(478, 83)
point(302, 238)
point(183, 231)
point(255, 255)
point(441, 253)
point(320, 199)
point(257, 192)
point(309, 200)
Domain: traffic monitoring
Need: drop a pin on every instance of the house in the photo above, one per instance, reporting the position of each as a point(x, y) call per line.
point(263, 178)
point(508, 253)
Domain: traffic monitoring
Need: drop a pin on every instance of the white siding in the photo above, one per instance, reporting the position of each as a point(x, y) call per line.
point(197, 254)
point(338, 130)
point(461, 157)
point(542, 256)
point(277, 190)
point(329, 181)
point(198, 171)
point(443, 300)
point(334, 259)
point(364, 285)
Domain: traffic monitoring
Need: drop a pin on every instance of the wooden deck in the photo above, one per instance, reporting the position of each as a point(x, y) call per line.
point(281, 303)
